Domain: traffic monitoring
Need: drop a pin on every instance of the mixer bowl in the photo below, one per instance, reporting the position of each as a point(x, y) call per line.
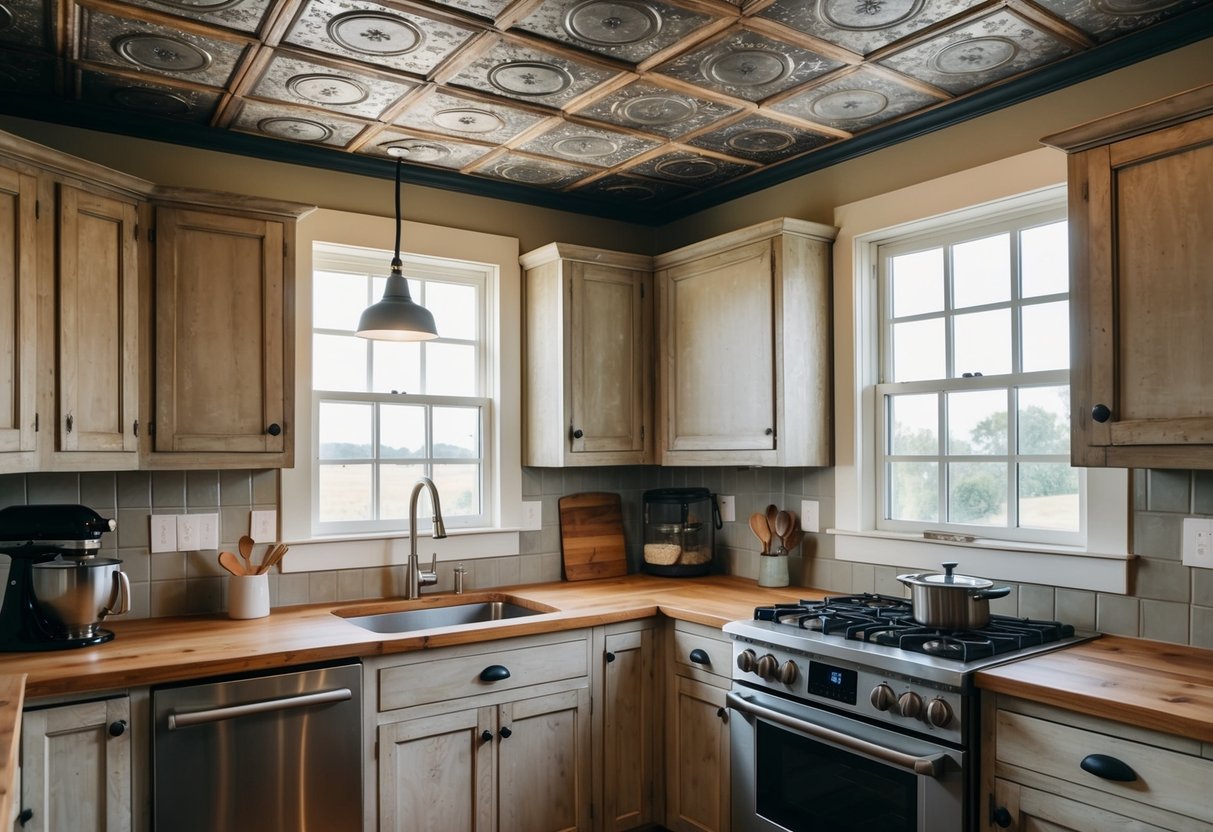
point(76, 594)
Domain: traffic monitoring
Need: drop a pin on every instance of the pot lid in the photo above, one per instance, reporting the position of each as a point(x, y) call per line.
point(947, 579)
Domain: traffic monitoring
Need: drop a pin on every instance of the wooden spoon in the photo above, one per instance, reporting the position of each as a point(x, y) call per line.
point(231, 563)
point(783, 525)
point(772, 513)
point(758, 524)
point(246, 552)
point(272, 558)
point(792, 537)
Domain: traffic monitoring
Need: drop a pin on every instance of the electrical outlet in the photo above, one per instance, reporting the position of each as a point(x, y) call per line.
point(263, 525)
point(810, 516)
point(164, 533)
point(532, 515)
point(1198, 542)
point(208, 532)
point(728, 508)
point(187, 533)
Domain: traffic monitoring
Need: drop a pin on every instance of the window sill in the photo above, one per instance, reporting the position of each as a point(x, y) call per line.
point(1061, 566)
point(391, 549)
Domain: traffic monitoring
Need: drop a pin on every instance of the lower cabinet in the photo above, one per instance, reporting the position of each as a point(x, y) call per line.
point(76, 767)
point(626, 726)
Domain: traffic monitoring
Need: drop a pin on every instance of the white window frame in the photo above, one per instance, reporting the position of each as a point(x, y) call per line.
point(1018, 183)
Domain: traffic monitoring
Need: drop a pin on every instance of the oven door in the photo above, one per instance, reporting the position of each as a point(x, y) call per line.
point(796, 767)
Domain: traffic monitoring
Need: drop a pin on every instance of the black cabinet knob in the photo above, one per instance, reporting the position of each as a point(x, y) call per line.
point(274, 429)
point(1000, 817)
point(25, 817)
point(1101, 413)
point(722, 714)
point(769, 431)
point(486, 736)
point(505, 733)
point(1108, 768)
point(578, 433)
point(700, 656)
point(610, 657)
point(117, 728)
point(495, 673)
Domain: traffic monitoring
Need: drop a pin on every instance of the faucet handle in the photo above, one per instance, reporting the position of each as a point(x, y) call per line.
point(430, 577)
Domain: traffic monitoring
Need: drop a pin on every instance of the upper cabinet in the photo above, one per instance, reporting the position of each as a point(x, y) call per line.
point(1141, 206)
point(743, 348)
point(587, 376)
point(18, 317)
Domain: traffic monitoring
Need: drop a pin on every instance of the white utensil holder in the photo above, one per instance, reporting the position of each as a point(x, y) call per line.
point(248, 596)
point(773, 570)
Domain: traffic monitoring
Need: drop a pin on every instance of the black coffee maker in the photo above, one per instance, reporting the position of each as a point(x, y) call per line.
point(65, 539)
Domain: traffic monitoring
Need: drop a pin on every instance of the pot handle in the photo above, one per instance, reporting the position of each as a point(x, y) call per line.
point(120, 597)
point(992, 592)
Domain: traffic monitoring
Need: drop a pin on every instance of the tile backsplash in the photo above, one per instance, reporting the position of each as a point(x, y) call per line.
point(1168, 601)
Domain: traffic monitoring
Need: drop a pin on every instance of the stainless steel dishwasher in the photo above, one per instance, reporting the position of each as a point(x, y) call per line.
point(278, 751)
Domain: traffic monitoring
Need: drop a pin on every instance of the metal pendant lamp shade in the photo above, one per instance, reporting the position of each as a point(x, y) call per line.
point(397, 317)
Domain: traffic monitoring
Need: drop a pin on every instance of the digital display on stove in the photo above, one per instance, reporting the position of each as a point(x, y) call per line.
point(837, 683)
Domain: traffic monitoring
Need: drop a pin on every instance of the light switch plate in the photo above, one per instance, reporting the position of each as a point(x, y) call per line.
point(1198, 542)
point(208, 531)
point(187, 533)
point(164, 533)
point(728, 508)
point(263, 525)
point(810, 516)
point(532, 515)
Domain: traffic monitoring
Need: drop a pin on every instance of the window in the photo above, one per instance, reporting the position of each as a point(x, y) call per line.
point(973, 410)
point(385, 413)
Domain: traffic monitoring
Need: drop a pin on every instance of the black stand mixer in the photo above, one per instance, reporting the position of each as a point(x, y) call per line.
point(54, 577)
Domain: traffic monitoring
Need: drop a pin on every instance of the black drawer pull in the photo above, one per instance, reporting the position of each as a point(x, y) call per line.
point(495, 673)
point(1101, 413)
point(700, 656)
point(505, 733)
point(610, 657)
point(486, 736)
point(1109, 768)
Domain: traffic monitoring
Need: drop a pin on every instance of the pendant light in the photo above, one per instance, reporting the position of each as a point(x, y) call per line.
point(397, 317)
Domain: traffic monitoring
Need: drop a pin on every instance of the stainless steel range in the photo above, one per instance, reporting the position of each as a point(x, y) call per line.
point(849, 715)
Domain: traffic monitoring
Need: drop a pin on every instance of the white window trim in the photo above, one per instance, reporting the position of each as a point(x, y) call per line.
point(1100, 565)
point(499, 254)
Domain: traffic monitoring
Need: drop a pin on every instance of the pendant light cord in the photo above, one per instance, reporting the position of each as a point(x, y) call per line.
point(396, 262)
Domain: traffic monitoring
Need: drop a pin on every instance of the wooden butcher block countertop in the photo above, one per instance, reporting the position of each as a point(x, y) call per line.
point(1151, 684)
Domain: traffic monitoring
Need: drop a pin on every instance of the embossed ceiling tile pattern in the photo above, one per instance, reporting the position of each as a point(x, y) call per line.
point(156, 49)
point(856, 101)
point(748, 65)
point(863, 26)
point(630, 30)
point(530, 74)
point(377, 34)
point(241, 15)
point(293, 79)
point(589, 145)
point(26, 23)
point(690, 168)
point(296, 124)
point(28, 72)
point(148, 98)
point(1108, 19)
point(488, 9)
point(444, 153)
point(979, 52)
point(546, 173)
point(621, 186)
point(658, 110)
point(470, 118)
point(760, 139)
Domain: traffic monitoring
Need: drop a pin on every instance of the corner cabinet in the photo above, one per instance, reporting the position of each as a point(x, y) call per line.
point(587, 377)
point(1141, 206)
point(743, 348)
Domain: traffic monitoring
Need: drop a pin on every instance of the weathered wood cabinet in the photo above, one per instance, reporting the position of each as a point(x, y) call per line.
point(743, 348)
point(1141, 206)
point(18, 317)
point(587, 357)
point(625, 726)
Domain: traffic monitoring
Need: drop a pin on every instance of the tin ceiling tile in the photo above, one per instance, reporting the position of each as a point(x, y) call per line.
point(443, 153)
point(240, 15)
point(530, 74)
point(655, 109)
point(760, 139)
point(630, 30)
point(26, 74)
point(749, 65)
point(979, 52)
point(26, 23)
point(856, 101)
point(689, 168)
point(624, 187)
point(863, 26)
point(470, 118)
point(296, 80)
point(278, 121)
point(488, 9)
point(525, 170)
point(589, 145)
point(377, 34)
point(148, 97)
point(1108, 19)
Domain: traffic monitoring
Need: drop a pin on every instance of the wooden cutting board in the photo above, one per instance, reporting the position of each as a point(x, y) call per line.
point(591, 536)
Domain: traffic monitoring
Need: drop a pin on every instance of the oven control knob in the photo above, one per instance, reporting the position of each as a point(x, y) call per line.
point(909, 704)
point(768, 666)
point(882, 697)
point(788, 672)
point(939, 712)
point(747, 661)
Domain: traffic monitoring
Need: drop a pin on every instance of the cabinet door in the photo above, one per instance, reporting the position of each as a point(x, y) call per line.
point(222, 380)
point(717, 348)
point(436, 773)
point(1032, 810)
point(697, 758)
point(609, 363)
point(627, 757)
point(97, 304)
point(542, 763)
point(18, 311)
point(1141, 299)
point(76, 767)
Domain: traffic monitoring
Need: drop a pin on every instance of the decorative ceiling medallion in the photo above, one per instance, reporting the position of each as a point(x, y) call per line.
point(688, 168)
point(151, 101)
point(6, 17)
point(298, 129)
point(863, 15)
point(762, 140)
point(162, 53)
point(375, 33)
point(199, 5)
point(417, 150)
point(585, 147)
point(327, 89)
point(468, 120)
point(657, 109)
point(1133, 8)
point(973, 55)
point(612, 22)
point(529, 174)
point(849, 104)
point(746, 67)
point(630, 191)
point(530, 78)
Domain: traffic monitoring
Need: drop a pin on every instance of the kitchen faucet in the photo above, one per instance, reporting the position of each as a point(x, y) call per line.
point(416, 579)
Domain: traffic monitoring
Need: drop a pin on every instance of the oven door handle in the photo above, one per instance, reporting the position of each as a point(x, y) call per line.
point(930, 766)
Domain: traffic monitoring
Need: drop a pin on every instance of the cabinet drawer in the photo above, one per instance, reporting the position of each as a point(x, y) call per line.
point(441, 679)
point(1166, 779)
point(693, 643)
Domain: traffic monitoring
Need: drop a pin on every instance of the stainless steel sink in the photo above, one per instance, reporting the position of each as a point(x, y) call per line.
point(406, 621)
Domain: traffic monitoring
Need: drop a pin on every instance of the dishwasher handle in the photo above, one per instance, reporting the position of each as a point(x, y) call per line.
point(188, 720)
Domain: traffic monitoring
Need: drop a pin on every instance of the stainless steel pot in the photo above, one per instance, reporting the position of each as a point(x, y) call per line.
point(951, 602)
point(76, 594)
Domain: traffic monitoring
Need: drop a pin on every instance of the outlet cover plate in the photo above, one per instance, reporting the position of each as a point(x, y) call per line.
point(164, 533)
point(728, 508)
point(1198, 542)
point(810, 516)
point(263, 525)
point(532, 515)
